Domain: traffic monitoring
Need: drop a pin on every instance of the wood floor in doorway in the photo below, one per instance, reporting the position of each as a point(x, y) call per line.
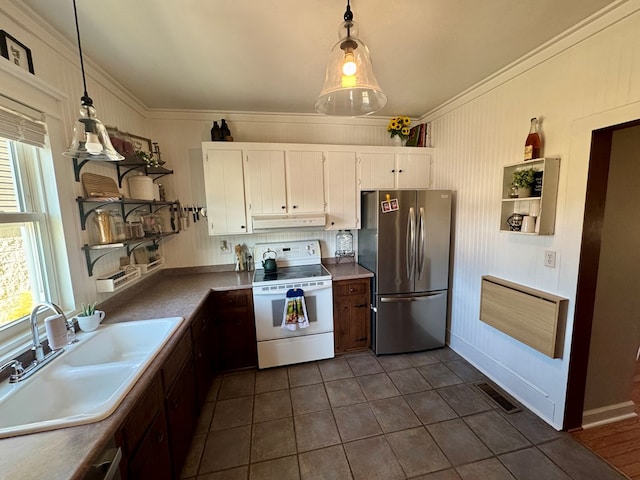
point(618, 443)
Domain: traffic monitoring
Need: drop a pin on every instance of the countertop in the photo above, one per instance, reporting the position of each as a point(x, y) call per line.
point(63, 454)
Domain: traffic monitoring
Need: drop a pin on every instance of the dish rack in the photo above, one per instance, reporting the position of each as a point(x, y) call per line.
point(151, 266)
point(116, 280)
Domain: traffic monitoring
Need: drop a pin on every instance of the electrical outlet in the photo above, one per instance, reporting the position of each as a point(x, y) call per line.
point(550, 258)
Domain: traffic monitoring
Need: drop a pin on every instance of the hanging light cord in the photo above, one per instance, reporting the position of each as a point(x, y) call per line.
point(348, 17)
point(86, 99)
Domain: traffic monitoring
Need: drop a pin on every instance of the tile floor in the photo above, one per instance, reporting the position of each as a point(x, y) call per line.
point(365, 417)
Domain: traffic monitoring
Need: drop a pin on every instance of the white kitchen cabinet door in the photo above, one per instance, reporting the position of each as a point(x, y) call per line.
point(413, 170)
point(305, 184)
point(266, 182)
point(341, 191)
point(377, 170)
point(224, 186)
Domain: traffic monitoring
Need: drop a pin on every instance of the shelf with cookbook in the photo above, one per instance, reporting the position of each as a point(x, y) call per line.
point(532, 210)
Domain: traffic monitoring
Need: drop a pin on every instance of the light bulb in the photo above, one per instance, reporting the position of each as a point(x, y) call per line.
point(349, 66)
point(93, 145)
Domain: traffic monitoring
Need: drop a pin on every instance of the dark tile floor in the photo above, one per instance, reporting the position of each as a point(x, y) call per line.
point(365, 417)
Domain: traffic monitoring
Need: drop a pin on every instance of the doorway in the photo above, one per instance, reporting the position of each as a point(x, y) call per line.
point(605, 334)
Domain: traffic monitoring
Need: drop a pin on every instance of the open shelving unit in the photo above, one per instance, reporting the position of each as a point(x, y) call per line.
point(546, 200)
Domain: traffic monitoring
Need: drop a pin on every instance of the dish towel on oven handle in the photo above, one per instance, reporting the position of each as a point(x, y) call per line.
point(295, 310)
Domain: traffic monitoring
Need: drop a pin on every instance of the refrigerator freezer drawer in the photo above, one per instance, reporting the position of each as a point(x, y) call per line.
point(410, 323)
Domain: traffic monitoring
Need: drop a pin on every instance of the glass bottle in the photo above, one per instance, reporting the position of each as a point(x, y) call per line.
point(216, 132)
point(533, 144)
point(226, 133)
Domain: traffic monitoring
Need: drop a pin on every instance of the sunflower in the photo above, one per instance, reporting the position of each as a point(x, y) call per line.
point(399, 126)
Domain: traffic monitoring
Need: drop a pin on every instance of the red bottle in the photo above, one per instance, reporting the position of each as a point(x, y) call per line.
point(533, 145)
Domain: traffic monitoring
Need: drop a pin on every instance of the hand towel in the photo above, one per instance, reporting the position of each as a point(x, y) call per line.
point(295, 310)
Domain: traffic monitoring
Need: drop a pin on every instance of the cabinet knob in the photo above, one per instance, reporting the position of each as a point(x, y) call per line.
point(283, 207)
point(400, 171)
point(295, 206)
point(351, 290)
point(333, 223)
point(393, 171)
point(242, 226)
point(160, 437)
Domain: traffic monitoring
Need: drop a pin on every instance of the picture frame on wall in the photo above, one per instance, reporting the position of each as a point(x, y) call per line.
point(16, 52)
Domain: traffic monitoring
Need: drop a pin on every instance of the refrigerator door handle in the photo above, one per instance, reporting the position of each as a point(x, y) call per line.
point(411, 242)
point(422, 298)
point(421, 245)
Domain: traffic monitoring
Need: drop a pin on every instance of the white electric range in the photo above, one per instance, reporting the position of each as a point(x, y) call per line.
point(298, 267)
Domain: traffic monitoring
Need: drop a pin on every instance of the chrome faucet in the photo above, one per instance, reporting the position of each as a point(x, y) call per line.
point(37, 346)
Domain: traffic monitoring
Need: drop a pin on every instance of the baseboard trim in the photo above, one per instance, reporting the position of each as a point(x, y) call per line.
point(609, 414)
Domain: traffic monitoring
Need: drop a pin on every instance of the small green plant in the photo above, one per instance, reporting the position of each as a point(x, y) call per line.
point(524, 178)
point(88, 309)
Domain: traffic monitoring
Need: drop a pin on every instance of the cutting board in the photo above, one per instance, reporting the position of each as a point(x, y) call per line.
point(99, 186)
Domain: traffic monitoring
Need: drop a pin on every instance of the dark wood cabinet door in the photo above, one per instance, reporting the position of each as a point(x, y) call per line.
point(180, 405)
point(351, 315)
point(204, 351)
point(235, 329)
point(152, 460)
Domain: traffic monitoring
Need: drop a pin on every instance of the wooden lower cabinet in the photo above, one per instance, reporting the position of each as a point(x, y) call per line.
point(235, 329)
point(144, 438)
point(352, 315)
point(156, 435)
point(181, 408)
point(204, 351)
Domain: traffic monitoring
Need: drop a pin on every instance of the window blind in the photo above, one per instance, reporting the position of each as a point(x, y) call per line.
point(20, 128)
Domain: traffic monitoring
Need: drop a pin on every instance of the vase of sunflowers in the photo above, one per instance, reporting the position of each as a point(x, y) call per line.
point(398, 127)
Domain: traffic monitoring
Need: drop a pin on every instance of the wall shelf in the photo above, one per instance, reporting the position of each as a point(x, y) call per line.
point(545, 203)
point(96, 203)
point(93, 253)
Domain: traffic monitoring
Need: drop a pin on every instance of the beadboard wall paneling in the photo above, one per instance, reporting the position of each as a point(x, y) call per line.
point(484, 131)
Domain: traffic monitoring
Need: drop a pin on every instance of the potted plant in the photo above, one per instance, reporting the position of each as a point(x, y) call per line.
point(523, 180)
point(89, 318)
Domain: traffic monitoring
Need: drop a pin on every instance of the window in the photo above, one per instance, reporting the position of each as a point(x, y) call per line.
point(24, 239)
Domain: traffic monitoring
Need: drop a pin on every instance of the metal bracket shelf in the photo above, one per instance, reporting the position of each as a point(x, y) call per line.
point(124, 168)
point(130, 245)
point(97, 203)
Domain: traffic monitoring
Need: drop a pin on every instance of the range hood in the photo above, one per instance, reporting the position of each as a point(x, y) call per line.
point(298, 221)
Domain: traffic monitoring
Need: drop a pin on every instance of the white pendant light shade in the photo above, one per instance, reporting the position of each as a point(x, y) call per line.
point(350, 87)
point(90, 138)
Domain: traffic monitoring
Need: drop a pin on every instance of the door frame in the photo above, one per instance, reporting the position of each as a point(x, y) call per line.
point(595, 134)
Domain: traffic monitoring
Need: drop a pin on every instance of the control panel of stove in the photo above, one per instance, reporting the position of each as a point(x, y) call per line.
point(287, 254)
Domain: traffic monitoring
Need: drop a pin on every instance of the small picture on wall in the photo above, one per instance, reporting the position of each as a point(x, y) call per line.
point(15, 52)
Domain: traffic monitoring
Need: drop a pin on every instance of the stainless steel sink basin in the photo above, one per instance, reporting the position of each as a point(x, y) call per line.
point(88, 381)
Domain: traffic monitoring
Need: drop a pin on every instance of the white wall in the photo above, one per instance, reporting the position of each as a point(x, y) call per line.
point(590, 71)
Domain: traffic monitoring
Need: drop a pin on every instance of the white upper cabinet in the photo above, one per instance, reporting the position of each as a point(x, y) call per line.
point(284, 181)
point(305, 181)
point(341, 191)
point(224, 186)
point(266, 189)
point(400, 167)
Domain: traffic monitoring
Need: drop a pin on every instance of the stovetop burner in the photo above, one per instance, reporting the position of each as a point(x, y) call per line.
point(288, 274)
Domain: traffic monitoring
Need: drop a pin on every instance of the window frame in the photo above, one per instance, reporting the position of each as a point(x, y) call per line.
point(26, 163)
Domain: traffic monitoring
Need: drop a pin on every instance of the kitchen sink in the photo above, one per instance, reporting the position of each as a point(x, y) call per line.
point(88, 381)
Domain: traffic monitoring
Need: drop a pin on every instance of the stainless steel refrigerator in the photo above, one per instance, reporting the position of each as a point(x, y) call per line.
point(408, 251)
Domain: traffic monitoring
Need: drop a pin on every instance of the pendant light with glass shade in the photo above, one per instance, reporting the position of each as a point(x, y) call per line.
point(350, 87)
point(90, 138)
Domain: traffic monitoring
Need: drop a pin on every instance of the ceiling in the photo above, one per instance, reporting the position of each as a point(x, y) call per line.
point(260, 56)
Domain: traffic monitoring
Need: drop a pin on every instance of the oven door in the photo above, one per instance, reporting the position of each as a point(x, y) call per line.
point(268, 306)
